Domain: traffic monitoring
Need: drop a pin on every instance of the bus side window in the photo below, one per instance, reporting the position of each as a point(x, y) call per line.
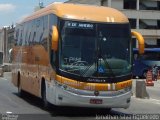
point(33, 32)
point(24, 37)
point(39, 29)
point(16, 36)
point(29, 31)
point(43, 32)
point(20, 38)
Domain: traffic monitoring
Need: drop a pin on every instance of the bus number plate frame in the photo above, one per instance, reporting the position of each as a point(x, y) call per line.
point(96, 101)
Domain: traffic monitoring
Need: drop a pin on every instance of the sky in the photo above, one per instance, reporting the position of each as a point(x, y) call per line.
point(12, 11)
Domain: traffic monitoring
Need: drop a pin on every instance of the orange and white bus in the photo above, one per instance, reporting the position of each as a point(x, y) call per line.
point(75, 55)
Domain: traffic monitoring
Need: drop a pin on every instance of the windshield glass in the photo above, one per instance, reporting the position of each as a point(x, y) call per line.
point(94, 49)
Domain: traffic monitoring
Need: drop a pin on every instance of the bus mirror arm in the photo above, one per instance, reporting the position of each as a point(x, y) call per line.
point(55, 37)
point(141, 43)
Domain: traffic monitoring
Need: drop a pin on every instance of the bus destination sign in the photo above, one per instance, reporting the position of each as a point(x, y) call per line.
point(80, 25)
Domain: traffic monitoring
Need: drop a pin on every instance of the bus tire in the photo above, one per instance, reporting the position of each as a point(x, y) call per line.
point(20, 91)
point(43, 94)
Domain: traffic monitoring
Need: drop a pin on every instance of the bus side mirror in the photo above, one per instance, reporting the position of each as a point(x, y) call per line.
point(141, 43)
point(55, 37)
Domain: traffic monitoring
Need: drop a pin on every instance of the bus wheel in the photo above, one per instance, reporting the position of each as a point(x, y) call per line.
point(43, 93)
point(20, 91)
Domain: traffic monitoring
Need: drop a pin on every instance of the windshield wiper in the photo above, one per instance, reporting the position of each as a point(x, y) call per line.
point(101, 56)
point(86, 70)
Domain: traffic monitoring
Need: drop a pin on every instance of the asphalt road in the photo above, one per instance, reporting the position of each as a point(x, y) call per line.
point(30, 107)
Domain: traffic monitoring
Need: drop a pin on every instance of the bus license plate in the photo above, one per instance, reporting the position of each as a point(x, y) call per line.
point(96, 101)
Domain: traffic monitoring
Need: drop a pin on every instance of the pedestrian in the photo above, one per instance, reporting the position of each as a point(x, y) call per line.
point(155, 72)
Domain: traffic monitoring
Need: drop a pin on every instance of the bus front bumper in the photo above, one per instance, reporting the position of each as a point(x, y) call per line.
point(88, 99)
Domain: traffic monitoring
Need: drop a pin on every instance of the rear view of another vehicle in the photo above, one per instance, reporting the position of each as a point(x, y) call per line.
point(144, 62)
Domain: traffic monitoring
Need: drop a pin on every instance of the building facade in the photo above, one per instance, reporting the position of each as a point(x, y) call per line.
point(1, 40)
point(6, 43)
point(144, 16)
point(1, 45)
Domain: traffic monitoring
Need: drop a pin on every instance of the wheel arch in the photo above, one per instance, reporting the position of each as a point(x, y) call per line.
point(18, 78)
point(43, 85)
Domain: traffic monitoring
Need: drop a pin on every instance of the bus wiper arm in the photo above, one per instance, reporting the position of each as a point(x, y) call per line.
point(86, 70)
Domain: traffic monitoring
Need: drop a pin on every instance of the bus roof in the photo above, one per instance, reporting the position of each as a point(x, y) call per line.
point(148, 49)
point(81, 12)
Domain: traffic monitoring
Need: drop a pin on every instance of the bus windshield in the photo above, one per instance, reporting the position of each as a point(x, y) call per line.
point(95, 49)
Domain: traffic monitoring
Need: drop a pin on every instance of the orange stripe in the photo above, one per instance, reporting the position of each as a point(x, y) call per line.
point(92, 86)
point(123, 84)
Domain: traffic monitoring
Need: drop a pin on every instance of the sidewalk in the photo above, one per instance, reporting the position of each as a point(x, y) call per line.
point(153, 91)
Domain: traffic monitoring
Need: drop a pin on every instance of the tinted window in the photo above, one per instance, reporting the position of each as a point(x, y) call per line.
point(20, 37)
point(16, 35)
point(39, 29)
point(33, 32)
